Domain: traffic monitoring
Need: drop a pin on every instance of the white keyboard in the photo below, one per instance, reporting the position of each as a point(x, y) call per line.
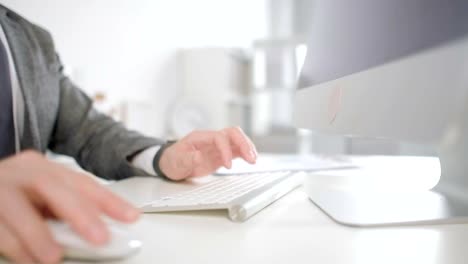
point(242, 195)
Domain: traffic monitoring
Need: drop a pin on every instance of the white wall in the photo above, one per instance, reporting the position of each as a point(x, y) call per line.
point(127, 48)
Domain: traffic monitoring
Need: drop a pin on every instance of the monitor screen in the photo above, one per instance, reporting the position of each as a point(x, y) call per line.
point(351, 36)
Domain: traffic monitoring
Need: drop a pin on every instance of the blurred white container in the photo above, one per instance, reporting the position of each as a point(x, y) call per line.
point(213, 83)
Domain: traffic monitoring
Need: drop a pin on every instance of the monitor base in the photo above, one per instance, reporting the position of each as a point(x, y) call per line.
point(370, 209)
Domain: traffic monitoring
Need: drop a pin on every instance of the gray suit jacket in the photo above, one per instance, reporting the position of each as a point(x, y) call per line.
point(58, 115)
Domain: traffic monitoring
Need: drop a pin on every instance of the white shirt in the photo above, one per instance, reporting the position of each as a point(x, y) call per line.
point(143, 160)
point(18, 103)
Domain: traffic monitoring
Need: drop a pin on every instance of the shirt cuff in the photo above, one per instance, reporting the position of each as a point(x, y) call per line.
point(144, 160)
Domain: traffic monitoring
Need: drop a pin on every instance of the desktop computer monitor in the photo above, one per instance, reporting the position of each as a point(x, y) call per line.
point(391, 69)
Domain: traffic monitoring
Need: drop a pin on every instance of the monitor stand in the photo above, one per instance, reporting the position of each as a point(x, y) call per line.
point(445, 203)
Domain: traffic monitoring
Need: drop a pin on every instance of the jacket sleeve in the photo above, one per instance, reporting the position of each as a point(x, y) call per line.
point(98, 143)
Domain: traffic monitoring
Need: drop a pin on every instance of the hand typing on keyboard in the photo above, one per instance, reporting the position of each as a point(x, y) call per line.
point(203, 152)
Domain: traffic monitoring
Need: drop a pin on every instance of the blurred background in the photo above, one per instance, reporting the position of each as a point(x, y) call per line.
point(166, 68)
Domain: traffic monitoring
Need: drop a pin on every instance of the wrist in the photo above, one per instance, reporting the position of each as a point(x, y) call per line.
point(159, 159)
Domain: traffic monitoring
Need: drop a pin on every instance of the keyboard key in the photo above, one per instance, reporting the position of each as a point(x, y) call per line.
point(221, 190)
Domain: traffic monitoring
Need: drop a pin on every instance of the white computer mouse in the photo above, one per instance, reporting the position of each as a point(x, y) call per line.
point(122, 243)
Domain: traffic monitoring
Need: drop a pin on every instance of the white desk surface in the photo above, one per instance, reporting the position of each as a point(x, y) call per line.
point(292, 230)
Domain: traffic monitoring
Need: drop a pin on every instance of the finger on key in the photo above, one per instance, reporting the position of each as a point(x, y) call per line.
point(224, 147)
point(241, 141)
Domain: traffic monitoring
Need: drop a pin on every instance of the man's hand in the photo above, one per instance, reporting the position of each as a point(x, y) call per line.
point(203, 152)
point(32, 189)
